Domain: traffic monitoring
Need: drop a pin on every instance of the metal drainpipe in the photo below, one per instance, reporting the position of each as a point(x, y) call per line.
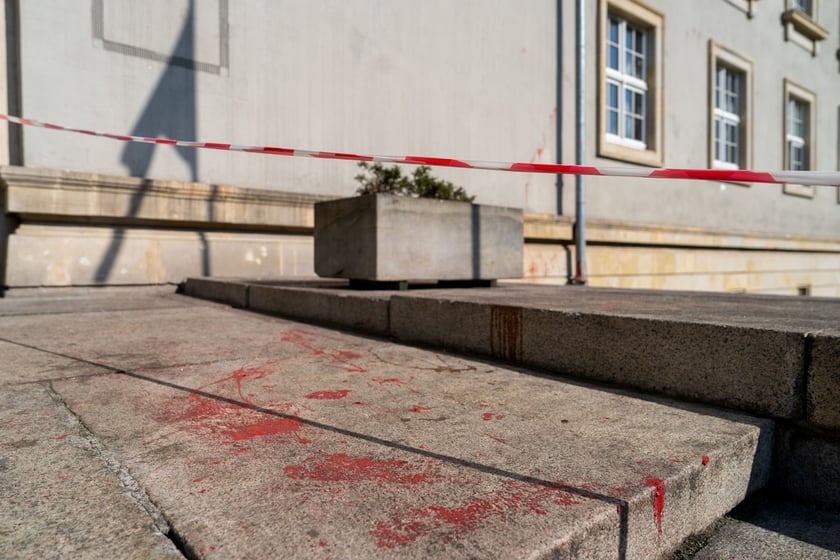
point(580, 145)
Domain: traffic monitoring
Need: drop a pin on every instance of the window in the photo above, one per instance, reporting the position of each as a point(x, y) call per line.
point(730, 109)
point(728, 99)
point(630, 107)
point(804, 6)
point(801, 27)
point(800, 106)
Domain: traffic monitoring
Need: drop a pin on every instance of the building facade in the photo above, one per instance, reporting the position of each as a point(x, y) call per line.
point(731, 84)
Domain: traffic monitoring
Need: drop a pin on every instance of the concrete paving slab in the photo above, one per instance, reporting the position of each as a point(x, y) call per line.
point(32, 365)
point(769, 528)
point(823, 387)
point(38, 301)
point(59, 499)
point(161, 337)
point(324, 444)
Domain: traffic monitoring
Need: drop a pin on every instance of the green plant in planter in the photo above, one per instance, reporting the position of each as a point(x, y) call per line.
point(389, 180)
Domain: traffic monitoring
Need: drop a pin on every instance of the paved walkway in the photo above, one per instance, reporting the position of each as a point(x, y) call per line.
point(138, 423)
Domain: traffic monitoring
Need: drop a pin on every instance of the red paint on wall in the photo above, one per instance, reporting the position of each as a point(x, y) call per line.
point(329, 395)
point(344, 468)
point(451, 523)
point(658, 500)
point(487, 416)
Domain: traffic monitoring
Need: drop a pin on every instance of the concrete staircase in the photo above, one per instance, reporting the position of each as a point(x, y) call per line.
point(700, 400)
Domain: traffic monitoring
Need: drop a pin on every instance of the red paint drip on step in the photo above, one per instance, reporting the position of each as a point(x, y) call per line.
point(329, 395)
point(492, 416)
point(705, 460)
point(418, 408)
point(658, 499)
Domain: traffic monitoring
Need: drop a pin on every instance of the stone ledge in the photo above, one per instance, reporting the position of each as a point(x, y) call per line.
point(52, 195)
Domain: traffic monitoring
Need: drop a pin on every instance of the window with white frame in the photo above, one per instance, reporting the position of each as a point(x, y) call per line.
point(630, 91)
point(730, 109)
point(727, 126)
point(797, 134)
point(799, 137)
point(626, 83)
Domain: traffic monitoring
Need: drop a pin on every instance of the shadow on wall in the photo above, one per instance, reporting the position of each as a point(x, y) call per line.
point(170, 112)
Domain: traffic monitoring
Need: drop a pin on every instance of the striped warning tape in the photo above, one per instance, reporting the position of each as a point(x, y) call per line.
point(825, 178)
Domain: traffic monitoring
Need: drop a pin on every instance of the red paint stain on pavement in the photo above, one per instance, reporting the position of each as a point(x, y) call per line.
point(308, 341)
point(658, 500)
point(487, 416)
point(418, 408)
point(705, 460)
point(61, 438)
point(329, 395)
point(269, 426)
point(387, 381)
point(344, 468)
point(451, 523)
point(234, 423)
point(497, 439)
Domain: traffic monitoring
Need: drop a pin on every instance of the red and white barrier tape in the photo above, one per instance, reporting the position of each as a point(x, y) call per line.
point(825, 178)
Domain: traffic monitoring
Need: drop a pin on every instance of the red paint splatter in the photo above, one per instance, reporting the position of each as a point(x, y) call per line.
point(387, 381)
point(61, 438)
point(267, 427)
point(232, 422)
point(453, 522)
point(497, 439)
point(196, 480)
point(418, 408)
point(705, 460)
point(658, 499)
point(239, 376)
point(329, 395)
point(492, 416)
point(344, 468)
point(307, 340)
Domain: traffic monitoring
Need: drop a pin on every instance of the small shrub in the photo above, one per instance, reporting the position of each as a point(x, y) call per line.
point(377, 178)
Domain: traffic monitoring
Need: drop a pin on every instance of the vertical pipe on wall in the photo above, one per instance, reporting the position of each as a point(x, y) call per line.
point(580, 144)
point(558, 124)
point(10, 66)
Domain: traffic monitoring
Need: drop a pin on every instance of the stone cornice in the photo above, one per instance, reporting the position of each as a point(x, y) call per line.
point(47, 194)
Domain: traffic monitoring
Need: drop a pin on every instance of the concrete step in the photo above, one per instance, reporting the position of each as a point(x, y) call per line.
point(768, 527)
point(778, 357)
point(751, 353)
point(253, 436)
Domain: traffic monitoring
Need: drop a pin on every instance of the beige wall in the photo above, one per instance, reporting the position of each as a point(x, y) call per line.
point(687, 29)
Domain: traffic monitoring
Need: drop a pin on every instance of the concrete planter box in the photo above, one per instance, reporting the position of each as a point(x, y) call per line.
point(386, 238)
